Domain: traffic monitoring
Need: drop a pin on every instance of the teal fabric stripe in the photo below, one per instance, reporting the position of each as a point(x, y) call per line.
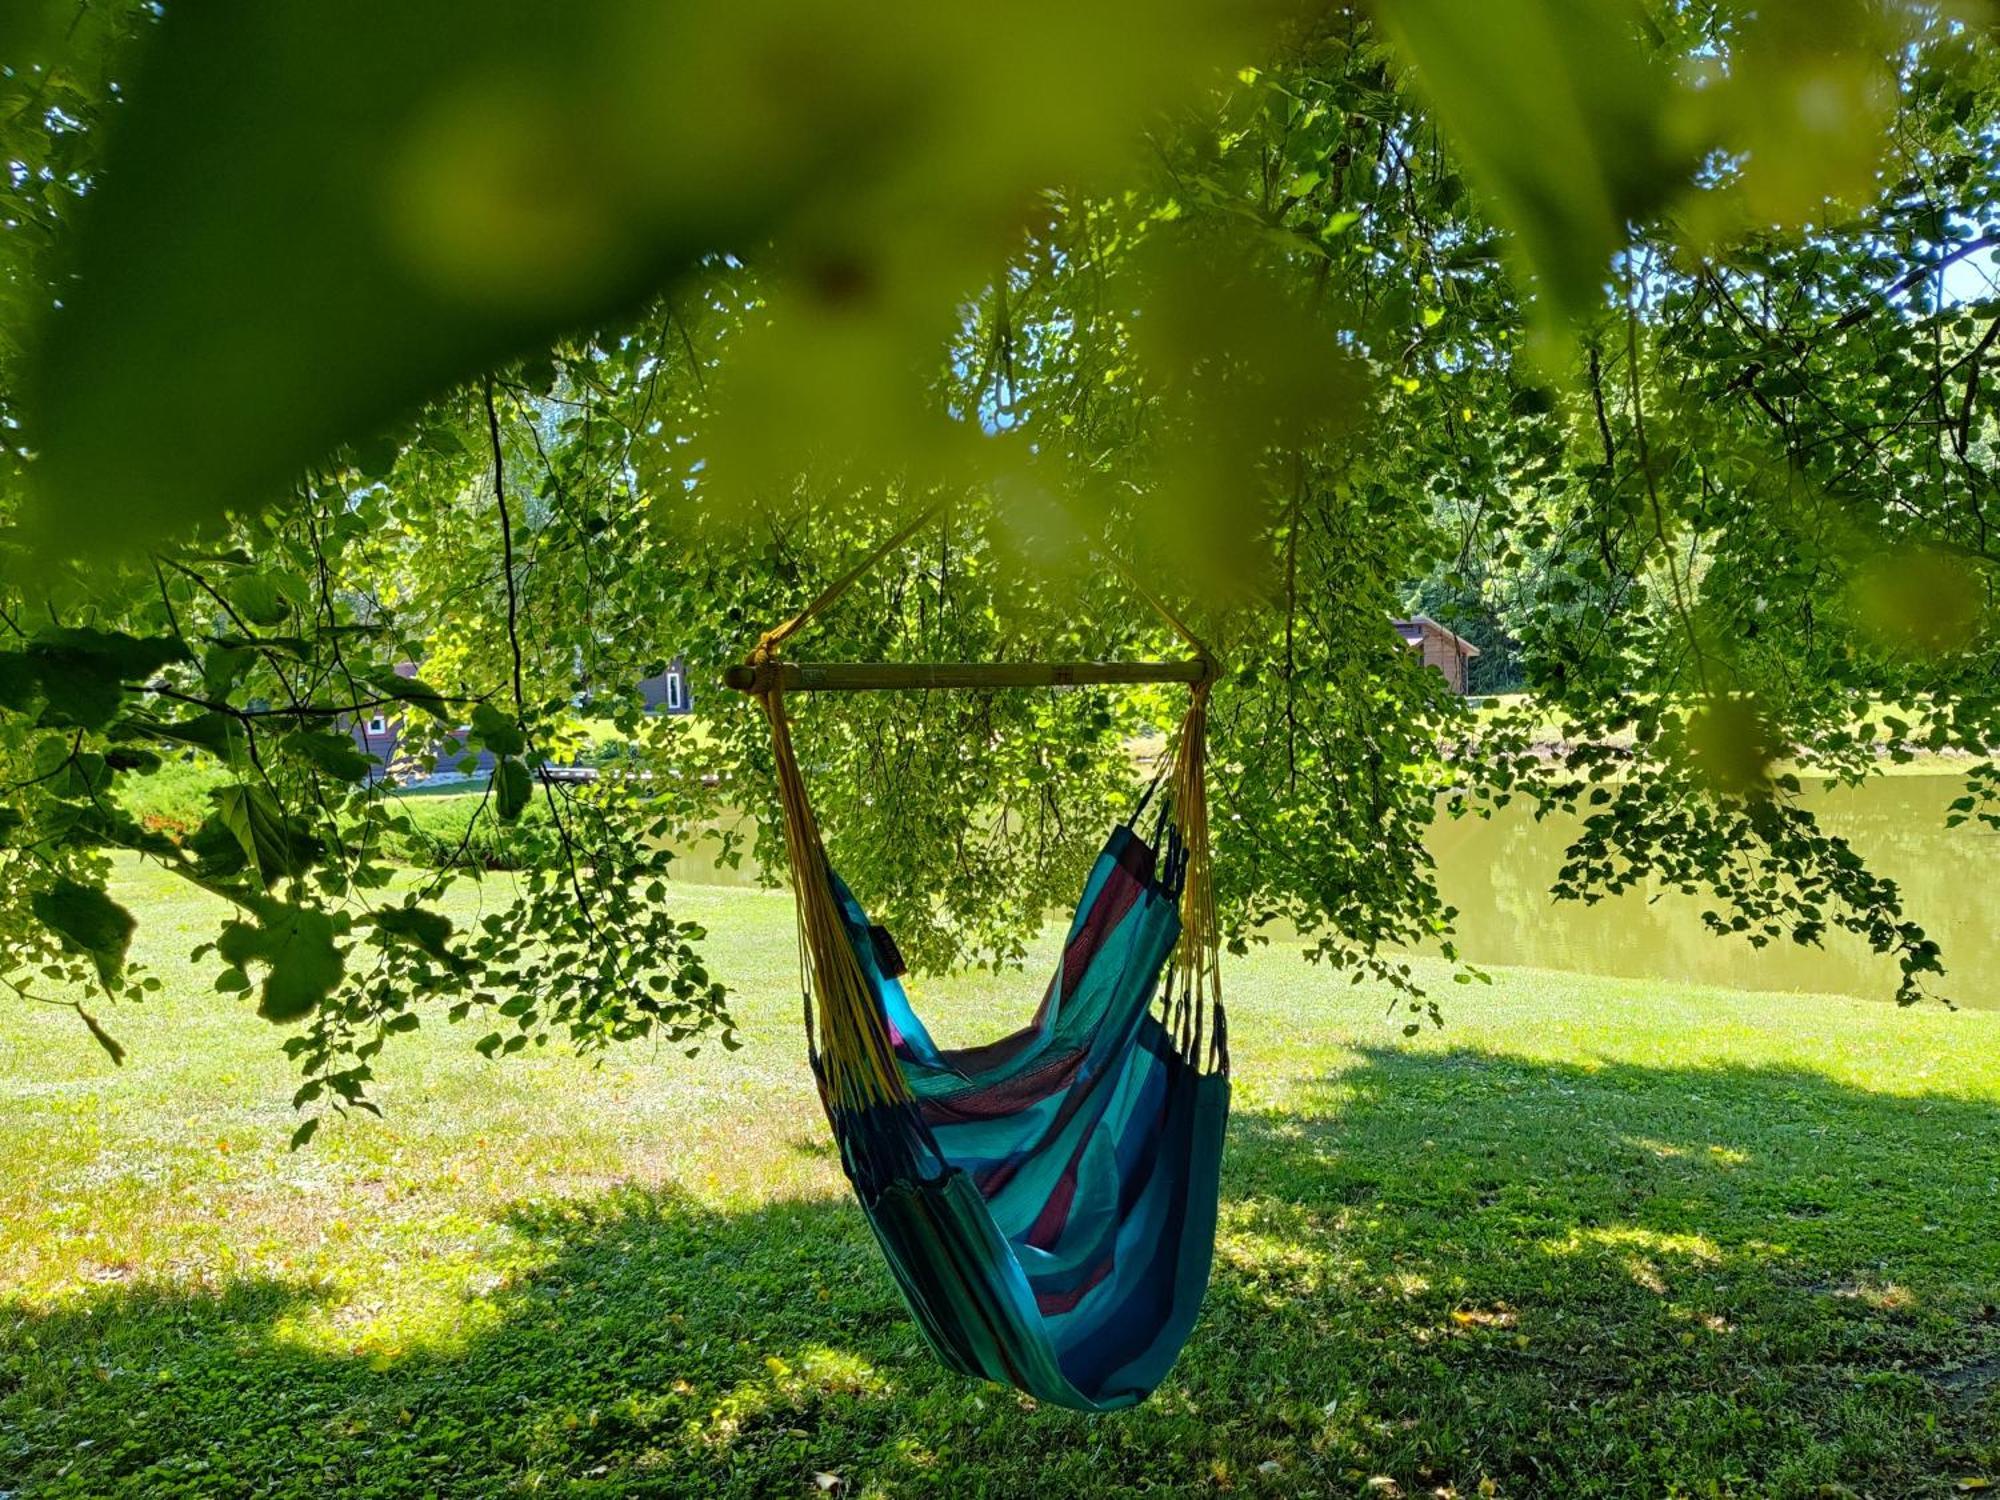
point(1104, 1147)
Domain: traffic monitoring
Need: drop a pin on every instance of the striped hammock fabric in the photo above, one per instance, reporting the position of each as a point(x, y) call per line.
point(1047, 1201)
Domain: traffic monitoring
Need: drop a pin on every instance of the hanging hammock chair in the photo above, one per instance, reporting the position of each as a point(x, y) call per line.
point(1047, 1201)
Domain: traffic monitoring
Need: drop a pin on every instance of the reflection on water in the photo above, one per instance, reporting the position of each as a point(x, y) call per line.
point(1497, 874)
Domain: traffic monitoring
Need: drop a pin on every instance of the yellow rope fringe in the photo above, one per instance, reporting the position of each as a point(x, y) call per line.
point(853, 1044)
point(1195, 974)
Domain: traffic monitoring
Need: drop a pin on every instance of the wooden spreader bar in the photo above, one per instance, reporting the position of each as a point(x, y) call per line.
point(869, 677)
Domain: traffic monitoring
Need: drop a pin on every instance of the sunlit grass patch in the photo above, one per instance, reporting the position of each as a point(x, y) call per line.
point(1630, 1238)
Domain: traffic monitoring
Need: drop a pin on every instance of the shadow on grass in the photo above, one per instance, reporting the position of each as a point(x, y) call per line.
point(1440, 1267)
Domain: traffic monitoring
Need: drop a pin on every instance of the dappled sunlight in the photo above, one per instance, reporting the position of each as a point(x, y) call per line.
point(1660, 1149)
point(1884, 1296)
point(435, 1308)
point(1721, 1156)
point(1629, 1238)
point(1270, 1265)
point(792, 1387)
point(383, 1331)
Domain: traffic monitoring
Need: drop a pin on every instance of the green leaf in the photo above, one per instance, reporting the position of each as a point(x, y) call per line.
point(114, 651)
point(81, 673)
point(273, 844)
point(311, 219)
point(1522, 85)
point(79, 689)
point(498, 731)
point(295, 946)
point(82, 695)
point(411, 690)
point(221, 735)
point(343, 209)
point(223, 666)
point(28, 30)
point(334, 754)
point(20, 682)
point(259, 599)
point(513, 786)
point(132, 758)
point(89, 922)
point(429, 930)
point(308, 1128)
point(375, 457)
point(218, 852)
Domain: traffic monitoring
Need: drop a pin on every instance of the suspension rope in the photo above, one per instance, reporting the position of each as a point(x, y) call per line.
point(857, 1067)
point(829, 596)
point(921, 516)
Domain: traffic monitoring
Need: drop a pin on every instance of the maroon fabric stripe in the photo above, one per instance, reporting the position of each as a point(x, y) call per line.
point(1074, 1100)
point(1048, 1225)
point(1120, 894)
point(996, 1177)
point(1049, 1304)
point(1004, 1099)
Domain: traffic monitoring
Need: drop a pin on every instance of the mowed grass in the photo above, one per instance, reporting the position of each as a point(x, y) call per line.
point(1594, 1238)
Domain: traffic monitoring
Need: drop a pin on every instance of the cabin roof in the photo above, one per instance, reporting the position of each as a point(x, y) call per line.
point(1412, 632)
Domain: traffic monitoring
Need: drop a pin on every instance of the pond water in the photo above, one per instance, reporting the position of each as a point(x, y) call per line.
point(1497, 873)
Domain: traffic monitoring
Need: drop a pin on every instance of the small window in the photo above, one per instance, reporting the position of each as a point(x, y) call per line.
point(378, 725)
point(676, 693)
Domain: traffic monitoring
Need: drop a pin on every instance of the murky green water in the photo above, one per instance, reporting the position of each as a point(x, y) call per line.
point(1497, 874)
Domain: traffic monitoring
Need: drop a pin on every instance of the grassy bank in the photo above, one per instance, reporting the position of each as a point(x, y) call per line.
point(1596, 1237)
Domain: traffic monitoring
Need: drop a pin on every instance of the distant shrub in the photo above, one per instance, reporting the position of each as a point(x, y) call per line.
point(439, 830)
point(174, 799)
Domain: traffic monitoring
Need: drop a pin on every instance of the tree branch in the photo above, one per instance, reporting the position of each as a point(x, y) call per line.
point(1903, 283)
point(506, 545)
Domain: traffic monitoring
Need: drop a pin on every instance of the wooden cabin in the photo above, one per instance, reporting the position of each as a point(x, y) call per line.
point(1444, 649)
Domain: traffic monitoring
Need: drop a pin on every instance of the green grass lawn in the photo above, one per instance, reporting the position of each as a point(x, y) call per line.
point(1595, 1237)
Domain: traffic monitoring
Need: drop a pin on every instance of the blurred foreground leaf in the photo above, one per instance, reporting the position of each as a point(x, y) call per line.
point(1558, 110)
point(1917, 600)
point(315, 216)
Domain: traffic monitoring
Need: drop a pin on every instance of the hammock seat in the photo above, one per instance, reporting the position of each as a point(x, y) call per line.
point(1049, 1205)
point(1046, 1202)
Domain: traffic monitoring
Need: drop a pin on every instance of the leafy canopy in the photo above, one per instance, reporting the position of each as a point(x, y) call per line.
point(1647, 342)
